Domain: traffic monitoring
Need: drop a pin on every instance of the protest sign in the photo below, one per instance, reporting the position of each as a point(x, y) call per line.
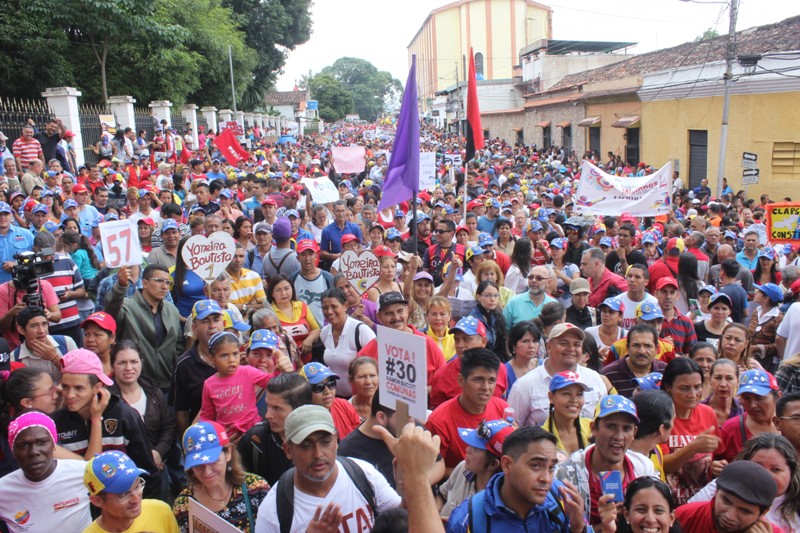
point(361, 270)
point(234, 127)
point(109, 122)
point(600, 194)
point(322, 190)
point(204, 520)
point(349, 159)
point(270, 139)
point(454, 160)
point(783, 222)
point(208, 257)
point(402, 365)
point(369, 135)
point(427, 171)
point(120, 242)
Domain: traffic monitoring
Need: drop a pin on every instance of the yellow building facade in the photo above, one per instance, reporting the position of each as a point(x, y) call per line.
point(495, 29)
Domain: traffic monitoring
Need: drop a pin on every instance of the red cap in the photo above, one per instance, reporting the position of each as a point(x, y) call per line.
point(383, 251)
point(103, 320)
point(68, 134)
point(291, 194)
point(104, 163)
point(462, 228)
point(149, 221)
point(665, 282)
point(306, 244)
point(473, 204)
point(348, 237)
point(269, 201)
point(80, 187)
point(30, 204)
point(795, 288)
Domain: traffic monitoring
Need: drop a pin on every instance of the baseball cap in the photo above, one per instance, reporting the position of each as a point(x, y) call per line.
point(614, 403)
point(305, 245)
point(204, 308)
point(769, 253)
point(389, 298)
point(269, 201)
point(392, 234)
point(203, 442)
point(649, 311)
point(317, 373)
point(103, 320)
point(758, 382)
point(39, 208)
point(675, 243)
point(559, 242)
point(169, 224)
point(484, 239)
point(579, 286)
point(348, 237)
point(472, 251)
point(771, 291)
point(307, 420)
point(565, 379)
point(730, 235)
point(383, 251)
point(707, 288)
point(82, 361)
point(666, 281)
point(263, 227)
point(231, 321)
point(651, 381)
point(423, 275)
point(648, 238)
point(565, 328)
point(282, 228)
point(720, 297)
point(749, 481)
point(489, 435)
point(111, 472)
point(613, 303)
point(398, 213)
point(291, 213)
point(79, 188)
point(148, 221)
point(264, 338)
point(469, 325)
point(67, 204)
point(606, 241)
point(460, 277)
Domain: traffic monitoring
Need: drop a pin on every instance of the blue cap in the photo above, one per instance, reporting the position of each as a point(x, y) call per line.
point(470, 325)
point(399, 214)
point(730, 235)
point(97, 221)
point(291, 213)
point(110, 216)
point(227, 193)
point(232, 321)
point(614, 403)
point(707, 288)
point(606, 241)
point(534, 225)
point(493, 203)
point(648, 237)
point(422, 217)
point(449, 209)
point(143, 192)
point(317, 373)
point(758, 382)
point(47, 192)
point(392, 234)
point(439, 204)
point(446, 270)
point(484, 239)
point(40, 208)
point(264, 338)
point(195, 208)
point(203, 443)
point(613, 303)
point(565, 379)
point(769, 253)
point(111, 472)
point(787, 249)
point(771, 291)
point(67, 204)
point(472, 251)
point(559, 242)
point(50, 226)
point(721, 296)
point(489, 436)
point(204, 308)
point(649, 311)
point(51, 173)
point(651, 381)
point(168, 224)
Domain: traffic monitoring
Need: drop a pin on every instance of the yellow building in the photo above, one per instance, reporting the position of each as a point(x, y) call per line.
point(495, 29)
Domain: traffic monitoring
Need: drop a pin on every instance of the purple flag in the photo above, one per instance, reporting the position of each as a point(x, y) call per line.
point(402, 177)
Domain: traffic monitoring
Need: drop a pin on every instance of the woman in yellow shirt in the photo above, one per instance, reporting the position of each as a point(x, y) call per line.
point(438, 317)
point(565, 422)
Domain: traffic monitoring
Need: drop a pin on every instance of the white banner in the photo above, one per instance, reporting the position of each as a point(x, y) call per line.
point(349, 159)
point(322, 190)
point(403, 367)
point(601, 194)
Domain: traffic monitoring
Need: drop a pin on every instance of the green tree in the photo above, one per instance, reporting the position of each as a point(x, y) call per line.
point(369, 87)
point(334, 100)
point(710, 33)
point(105, 24)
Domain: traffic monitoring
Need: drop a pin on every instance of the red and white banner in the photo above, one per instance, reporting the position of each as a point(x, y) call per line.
point(230, 148)
point(349, 159)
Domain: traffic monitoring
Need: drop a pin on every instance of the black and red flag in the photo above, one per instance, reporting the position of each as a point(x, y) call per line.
point(474, 130)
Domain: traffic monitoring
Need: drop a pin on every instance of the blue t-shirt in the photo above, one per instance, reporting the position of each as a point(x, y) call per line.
point(17, 240)
point(192, 293)
point(332, 236)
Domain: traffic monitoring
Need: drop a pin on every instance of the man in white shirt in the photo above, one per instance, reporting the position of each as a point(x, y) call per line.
point(44, 494)
point(323, 491)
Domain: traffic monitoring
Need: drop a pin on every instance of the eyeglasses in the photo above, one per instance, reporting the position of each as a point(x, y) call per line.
point(793, 419)
point(537, 278)
point(52, 391)
point(158, 280)
point(441, 231)
point(125, 497)
point(490, 296)
point(320, 387)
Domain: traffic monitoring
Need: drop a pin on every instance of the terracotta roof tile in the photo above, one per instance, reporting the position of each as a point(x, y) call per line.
point(285, 97)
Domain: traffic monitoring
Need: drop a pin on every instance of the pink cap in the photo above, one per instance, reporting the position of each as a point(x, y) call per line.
point(82, 361)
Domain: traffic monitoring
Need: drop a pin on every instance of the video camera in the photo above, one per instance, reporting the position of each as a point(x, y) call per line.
point(26, 273)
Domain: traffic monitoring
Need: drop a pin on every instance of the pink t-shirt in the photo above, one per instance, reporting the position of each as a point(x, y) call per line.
point(231, 400)
point(11, 296)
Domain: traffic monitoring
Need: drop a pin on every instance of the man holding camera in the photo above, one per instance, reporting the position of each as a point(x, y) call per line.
point(13, 240)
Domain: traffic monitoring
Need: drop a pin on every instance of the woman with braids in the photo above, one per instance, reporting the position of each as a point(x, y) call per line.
point(777, 455)
point(564, 420)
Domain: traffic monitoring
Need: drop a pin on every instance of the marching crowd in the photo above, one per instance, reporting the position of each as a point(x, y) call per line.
point(617, 373)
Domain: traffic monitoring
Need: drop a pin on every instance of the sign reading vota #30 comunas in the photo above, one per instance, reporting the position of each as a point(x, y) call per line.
point(402, 364)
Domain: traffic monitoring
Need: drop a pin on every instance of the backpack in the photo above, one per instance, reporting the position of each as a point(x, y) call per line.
point(251, 256)
point(61, 341)
point(284, 498)
point(478, 523)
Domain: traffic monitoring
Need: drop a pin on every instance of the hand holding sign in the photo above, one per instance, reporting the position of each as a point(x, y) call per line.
point(120, 241)
point(208, 257)
point(361, 270)
point(402, 361)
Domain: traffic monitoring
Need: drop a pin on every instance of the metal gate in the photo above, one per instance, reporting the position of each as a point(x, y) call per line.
point(632, 147)
point(594, 140)
point(91, 129)
point(698, 157)
point(14, 114)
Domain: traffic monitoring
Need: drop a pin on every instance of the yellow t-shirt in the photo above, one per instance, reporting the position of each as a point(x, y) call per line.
point(586, 432)
point(156, 516)
point(446, 343)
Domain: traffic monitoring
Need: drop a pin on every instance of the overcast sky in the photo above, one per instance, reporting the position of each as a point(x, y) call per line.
point(380, 30)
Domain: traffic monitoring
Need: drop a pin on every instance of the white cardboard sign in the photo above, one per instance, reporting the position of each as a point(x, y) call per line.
point(322, 190)
point(402, 371)
point(208, 257)
point(361, 270)
point(204, 520)
point(121, 245)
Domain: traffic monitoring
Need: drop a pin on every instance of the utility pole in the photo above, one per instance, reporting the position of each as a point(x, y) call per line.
point(730, 55)
point(458, 106)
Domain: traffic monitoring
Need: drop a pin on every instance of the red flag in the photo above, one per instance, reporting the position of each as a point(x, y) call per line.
point(186, 156)
point(474, 130)
point(230, 148)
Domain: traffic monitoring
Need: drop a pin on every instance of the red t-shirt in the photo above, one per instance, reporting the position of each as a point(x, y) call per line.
point(450, 416)
point(731, 433)
point(434, 353)
point(503, 261)
point(693, 475)
point(345, 417)
point(697, 517)
point(444, 384)
point(595, 489)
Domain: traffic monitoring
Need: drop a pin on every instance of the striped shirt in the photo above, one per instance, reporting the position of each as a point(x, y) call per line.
point(65, 277)
point(247, 288)
point(26, 151)
point(682, 332)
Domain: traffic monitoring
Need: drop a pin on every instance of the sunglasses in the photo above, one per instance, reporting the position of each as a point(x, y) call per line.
point(320, 387)
point(441, 231)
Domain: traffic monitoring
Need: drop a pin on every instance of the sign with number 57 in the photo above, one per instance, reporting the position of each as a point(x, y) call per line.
point(121, 246)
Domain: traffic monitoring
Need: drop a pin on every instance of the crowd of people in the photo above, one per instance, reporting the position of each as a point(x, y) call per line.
point(617, 373)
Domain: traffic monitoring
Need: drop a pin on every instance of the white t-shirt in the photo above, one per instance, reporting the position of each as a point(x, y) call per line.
point(789, 329)
point(357, 516)
point(629, 308)
point(338, 358)
point(529, 395)
point(59, 503)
